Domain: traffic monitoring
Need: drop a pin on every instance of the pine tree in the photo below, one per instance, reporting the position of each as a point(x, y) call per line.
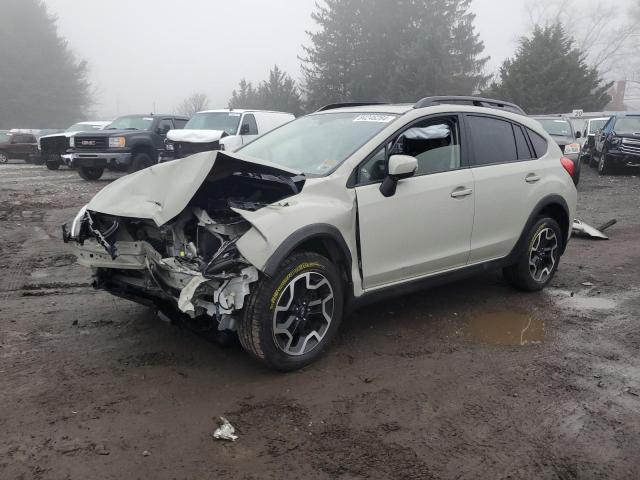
point(279, 93)
point(549, 75)
point(42, 84)
point(376, 50)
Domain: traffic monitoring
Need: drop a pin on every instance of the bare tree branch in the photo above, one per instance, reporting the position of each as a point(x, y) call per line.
point(193, 104)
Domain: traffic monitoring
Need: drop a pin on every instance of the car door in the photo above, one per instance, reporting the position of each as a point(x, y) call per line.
point(425, 227)
point(601, 136)
point(505, 172)
point(248, 128)
point(164, 126)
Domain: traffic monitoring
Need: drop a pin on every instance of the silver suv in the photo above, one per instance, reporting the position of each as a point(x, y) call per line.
point(276, 241)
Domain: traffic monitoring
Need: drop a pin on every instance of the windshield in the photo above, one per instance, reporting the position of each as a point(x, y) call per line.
point(82, 127)
point(558, 128)
point(628, 125)
point(221, 121)
point(316, 144)
point(5, 137)
point(131, 123)
point(595, 125)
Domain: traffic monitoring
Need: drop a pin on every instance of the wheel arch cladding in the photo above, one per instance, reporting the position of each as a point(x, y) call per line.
point(323, 239)
point(553, 206)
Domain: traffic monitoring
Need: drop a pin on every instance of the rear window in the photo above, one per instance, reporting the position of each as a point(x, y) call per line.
point(540, 145)
point(524, 152)
point(492, 141)
point(23, 138)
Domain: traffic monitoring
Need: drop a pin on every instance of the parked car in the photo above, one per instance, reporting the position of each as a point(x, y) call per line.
point(591, 127)
point(131, 142)
point(338, 208)
point(222, 129)
point(618, 143)
point(53, 148)
point(562, 132)
point(19, 146)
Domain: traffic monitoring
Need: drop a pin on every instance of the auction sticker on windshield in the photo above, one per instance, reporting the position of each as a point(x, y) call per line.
point(375, 118)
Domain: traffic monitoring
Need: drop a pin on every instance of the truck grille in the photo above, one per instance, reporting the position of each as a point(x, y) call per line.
point(54, 145)
point(184, 149)
point(630, 146)
point(91, 143)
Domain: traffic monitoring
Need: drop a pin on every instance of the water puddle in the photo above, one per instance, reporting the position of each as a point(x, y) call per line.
point(506, 328)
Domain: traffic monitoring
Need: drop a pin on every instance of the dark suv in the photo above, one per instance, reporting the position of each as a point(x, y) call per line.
point(618, 143)
point(132, 142)
point(562, 132)
point(23, 146)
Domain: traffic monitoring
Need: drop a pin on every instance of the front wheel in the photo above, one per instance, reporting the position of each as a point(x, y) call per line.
point(538, 258)
point(91, 173)
point(291, 318)
point(53, 164)
point(604, 164)
point(3, 158)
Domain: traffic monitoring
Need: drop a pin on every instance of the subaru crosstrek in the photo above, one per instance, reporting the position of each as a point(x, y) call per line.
point(275, 242)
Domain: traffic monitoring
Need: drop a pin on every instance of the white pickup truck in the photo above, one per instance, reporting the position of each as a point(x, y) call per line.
point(222, 130)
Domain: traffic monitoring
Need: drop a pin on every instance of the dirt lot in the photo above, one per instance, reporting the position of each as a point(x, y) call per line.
point(472, 380)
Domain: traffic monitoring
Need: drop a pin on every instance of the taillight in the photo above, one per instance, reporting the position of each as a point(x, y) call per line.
point(568, 165)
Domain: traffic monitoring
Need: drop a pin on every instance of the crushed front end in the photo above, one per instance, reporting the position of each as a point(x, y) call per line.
point(187, 267)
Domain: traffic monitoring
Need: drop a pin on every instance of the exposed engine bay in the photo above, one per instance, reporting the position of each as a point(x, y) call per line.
point(190, 266)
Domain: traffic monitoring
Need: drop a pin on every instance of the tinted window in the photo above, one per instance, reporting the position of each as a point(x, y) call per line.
point(165, 125)
point(250, 121)
point(22, 138)
point(492, 140)
point(180, 123)
point(524, 152)
point(540, 145)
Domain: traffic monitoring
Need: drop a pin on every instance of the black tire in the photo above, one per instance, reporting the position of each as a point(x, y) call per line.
point(593, 161)
point(140, 162)
point(90, 173)
point(604, 164)
point(520, 274)
point(256, 329)
point(4, 158)
point(577, 172)
point(53, 164)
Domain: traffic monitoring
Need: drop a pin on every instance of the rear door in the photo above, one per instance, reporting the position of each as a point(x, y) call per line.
point(425, 227)
point(506, 174)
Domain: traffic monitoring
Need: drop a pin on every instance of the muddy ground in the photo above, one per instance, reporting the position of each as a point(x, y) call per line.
point(472, 380)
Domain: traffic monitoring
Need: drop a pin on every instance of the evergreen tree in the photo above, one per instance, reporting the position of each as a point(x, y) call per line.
point(376, 50)
point(42, 85)
point(279, 93)
point(549, 75)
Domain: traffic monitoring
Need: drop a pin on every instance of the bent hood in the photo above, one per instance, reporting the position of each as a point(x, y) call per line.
point(196, 136)
point(163, 191)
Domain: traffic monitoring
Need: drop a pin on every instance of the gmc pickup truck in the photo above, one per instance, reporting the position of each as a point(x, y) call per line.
point(131, 143)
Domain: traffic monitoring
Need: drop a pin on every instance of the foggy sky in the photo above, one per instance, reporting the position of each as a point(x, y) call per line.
point(147, 51)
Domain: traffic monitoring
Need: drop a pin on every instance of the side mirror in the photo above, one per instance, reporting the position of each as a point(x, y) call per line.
point(245, 129)
point(400, 167)
point(163, 130)
point(578, 135)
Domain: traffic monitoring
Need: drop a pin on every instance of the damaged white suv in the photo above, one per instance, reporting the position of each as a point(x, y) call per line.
point(279, 239)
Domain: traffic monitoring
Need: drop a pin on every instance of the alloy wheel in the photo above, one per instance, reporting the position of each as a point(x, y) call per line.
point(543, 255)
point(3, 158)
point(303, 314)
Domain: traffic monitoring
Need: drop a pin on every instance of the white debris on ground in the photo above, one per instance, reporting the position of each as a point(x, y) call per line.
point(226, 431)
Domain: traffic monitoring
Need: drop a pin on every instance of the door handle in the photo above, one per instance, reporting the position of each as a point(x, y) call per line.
point(532, 178)
point(461, 192)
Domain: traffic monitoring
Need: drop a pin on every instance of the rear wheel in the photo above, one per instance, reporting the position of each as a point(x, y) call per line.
point(291, 318)
point(140, 162)
point(538, 258)
point(3, 158)
point(91, 173)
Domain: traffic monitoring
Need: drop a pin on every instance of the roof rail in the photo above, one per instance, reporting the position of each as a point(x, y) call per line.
point(333, 106)
point(469, 100)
